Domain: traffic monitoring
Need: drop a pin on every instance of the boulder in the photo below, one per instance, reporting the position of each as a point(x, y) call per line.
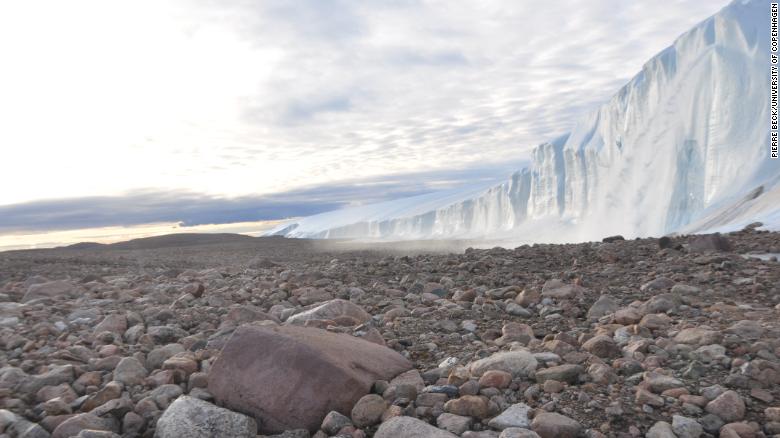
point(194, 418)
point(290, 377)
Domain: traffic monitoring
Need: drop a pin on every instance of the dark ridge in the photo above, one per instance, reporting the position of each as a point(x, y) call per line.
point(180, 240)
point(85, 245)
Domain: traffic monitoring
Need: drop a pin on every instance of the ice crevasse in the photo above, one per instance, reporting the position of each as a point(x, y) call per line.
point(683, 147)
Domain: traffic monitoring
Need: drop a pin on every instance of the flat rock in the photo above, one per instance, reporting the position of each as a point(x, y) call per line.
point(73, 425)
point(517, 363)
point(697, 336)
point(559, 290)
point(290, 377)
point(239, 315)
point(330, 310)
point(563, 373)
point(408, 427)
point(517, 432)
point(747, 329)
point(51, 289)
point(709, 243)
point(552, 425)
point(456, 424)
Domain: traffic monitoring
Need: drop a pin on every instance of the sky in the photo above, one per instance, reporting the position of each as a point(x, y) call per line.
point(118, 113)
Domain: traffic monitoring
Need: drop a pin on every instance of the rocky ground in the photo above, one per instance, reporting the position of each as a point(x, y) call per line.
point(664, 337)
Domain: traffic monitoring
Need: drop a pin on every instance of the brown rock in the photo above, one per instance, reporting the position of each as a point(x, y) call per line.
point(552, 425)
point(368, 410)
point(708, 243)
point(112, 323)
point(310, 295)
point(528, 297)
point(111, 391)
point(729, 406)
point(601, 346)
point(184, 362)
point(52, 289)
point(468, 406)
point(772, 414)
point(75, 424)
point(290, 377)
point(627, 316)
point(559, 290)
point(697, 336)
point(644, 397)
point(243, 314)
point(495, 379)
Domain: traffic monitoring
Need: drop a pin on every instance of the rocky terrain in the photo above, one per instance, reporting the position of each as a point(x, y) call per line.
point(672, 337)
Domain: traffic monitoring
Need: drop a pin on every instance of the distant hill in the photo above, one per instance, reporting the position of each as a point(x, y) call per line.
point(169, 241)
point(85, 245)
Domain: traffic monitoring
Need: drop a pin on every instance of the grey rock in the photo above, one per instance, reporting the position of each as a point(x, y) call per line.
point(661, 429)
point(130, 371)
point(456, 424)
point(516, 432)
point(603, 306)
point(517, 363)
point(409, 427)
point(194, 418)
point(514, 416)
point(685, 427)
point(52, 289)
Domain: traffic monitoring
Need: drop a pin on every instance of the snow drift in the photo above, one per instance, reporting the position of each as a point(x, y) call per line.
point(684, 146)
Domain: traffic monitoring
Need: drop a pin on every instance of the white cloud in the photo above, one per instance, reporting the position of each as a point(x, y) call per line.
point(238, 98)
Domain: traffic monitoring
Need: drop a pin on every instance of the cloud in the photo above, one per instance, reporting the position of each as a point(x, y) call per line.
point(247, 99)
point(191, 208)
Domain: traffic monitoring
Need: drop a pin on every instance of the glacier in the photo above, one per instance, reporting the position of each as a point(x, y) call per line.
point(683, 147)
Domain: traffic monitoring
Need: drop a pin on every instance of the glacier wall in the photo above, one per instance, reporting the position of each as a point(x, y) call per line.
point(685, 137)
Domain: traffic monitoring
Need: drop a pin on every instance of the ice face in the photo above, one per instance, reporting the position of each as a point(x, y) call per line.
point(678, 148)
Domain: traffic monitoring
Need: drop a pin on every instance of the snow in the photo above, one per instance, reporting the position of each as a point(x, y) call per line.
point(683, 147)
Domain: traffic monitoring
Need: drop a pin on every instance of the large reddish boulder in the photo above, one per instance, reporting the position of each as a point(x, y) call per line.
point(290, 377)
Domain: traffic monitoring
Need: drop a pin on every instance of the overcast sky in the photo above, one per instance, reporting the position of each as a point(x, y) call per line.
point(328, 101)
